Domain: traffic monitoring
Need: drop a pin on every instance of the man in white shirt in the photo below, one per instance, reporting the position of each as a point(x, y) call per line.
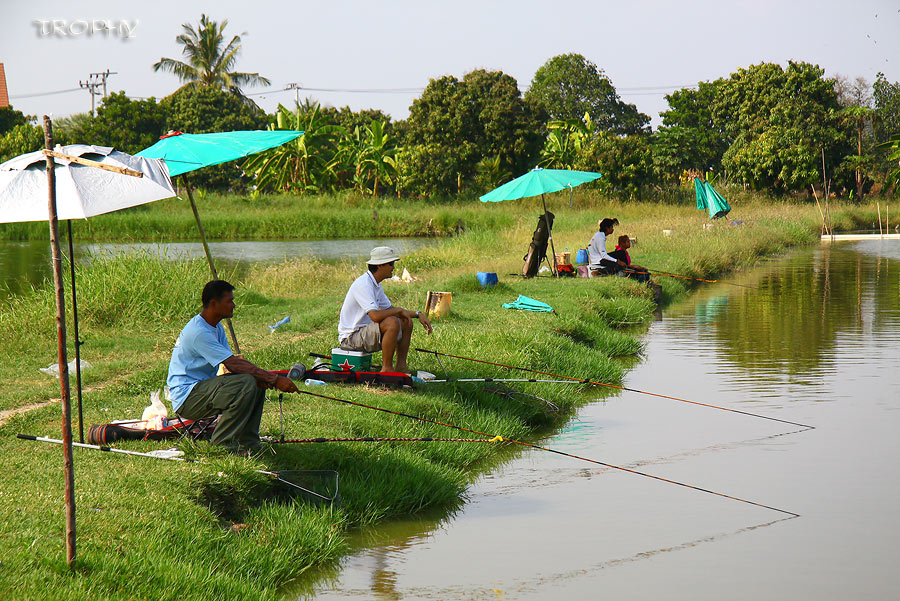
point(369, 322)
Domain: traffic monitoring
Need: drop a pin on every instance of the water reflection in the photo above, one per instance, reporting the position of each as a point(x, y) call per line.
point(824, 325)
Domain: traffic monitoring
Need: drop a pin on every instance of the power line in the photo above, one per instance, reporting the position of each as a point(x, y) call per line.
point(342, 90)
point(36, 94)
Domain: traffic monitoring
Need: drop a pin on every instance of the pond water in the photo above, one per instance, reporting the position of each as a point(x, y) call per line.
point(818, 342)
point(23, 264)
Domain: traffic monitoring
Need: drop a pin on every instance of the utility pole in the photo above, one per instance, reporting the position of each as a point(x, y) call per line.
point(94, 81)
point(296, 87)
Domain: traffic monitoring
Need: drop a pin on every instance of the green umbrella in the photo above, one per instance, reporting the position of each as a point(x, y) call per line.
point(524, 303)
point(538, 181)
point(187, 152)
point(709, 199)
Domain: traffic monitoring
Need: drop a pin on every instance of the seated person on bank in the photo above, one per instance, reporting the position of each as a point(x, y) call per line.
point(369, 322)
point(601, 262)
point(197, 391)
point(632, 270)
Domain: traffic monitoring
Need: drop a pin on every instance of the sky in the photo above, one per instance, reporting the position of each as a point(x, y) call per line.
point(386, 52)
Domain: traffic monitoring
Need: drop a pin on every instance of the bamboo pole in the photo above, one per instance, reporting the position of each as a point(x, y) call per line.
point(549, 235)
point(818, 206)
point(61, 348)
point(880, 231)
point(209, 259)
point(90, 163)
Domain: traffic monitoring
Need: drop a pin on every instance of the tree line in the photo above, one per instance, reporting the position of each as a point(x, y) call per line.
point(766, 127)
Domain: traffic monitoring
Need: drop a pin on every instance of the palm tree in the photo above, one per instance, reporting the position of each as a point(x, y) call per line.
point(208, 63)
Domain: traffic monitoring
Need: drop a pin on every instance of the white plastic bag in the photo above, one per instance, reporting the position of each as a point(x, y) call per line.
point(155, 414)
point(53, 368)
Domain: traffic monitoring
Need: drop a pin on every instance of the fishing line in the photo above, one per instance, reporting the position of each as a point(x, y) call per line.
point(669, 274)
point(586, 381)
point(281, 476)
point(534, 446)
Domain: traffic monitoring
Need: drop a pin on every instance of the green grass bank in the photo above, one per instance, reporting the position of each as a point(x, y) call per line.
point(150, 529)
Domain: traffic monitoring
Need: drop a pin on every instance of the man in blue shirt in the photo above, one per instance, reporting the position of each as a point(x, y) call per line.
point(198, 392)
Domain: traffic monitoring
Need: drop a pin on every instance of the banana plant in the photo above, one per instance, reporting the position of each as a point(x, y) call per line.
point(893, 146)
point(566, 139)
point(378, 159)
point(307, 164)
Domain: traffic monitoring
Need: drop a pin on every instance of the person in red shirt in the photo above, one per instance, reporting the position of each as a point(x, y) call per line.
point(632, 270)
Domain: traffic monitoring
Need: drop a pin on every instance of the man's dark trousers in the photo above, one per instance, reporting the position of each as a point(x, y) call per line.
point(239, 401)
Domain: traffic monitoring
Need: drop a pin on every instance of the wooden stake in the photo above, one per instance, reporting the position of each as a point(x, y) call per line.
point(90, 163)
point(880, 231)
point(62, 357)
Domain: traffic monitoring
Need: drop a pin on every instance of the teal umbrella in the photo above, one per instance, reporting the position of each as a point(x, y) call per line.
point(709, 199)
point(524, 303)
point(187, 152)
point(538, 181)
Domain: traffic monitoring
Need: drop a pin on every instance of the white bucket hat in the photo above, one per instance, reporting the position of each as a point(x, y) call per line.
point(382, 255)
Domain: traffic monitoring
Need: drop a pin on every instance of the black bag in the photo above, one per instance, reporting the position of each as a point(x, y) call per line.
point(537, 250)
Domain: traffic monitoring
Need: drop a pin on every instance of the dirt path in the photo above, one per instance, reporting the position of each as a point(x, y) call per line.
point(7, 415)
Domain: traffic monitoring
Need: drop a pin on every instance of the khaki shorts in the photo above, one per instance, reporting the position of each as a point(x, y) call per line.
point(366, 339)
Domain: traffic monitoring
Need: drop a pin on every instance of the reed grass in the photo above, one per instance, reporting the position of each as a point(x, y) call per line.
point(217, 529)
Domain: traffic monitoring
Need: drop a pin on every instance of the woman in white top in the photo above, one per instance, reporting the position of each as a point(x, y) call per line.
point(600, 260)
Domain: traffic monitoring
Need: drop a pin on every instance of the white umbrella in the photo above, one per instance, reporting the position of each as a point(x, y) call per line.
point(81, 190)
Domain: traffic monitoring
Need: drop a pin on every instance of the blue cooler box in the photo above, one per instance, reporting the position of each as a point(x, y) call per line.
point(487, 279)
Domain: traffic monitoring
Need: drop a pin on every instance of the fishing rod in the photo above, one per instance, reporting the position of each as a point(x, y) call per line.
point(377, 439)
point(531, 380)
point(281, 476)
point(499, 438)
point(587, 381)
point(668, 274)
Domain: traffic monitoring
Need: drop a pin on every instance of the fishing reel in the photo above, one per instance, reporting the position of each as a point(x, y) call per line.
point(297, 372)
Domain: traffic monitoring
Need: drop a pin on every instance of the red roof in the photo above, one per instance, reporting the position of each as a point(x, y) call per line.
point(4, 97)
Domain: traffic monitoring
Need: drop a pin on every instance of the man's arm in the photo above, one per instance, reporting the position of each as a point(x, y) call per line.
point(377, 316)
point(266, 379)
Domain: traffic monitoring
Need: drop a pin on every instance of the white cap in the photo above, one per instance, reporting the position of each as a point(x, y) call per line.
point(382, 255)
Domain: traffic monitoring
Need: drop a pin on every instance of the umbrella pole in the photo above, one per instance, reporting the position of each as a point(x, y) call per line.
point(61, 348)
point(78, 341)
point(550, 236)
point(209, 259)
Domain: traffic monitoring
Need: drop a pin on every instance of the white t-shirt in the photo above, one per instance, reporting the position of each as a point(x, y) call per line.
point(597, 249)
point(364, 295)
